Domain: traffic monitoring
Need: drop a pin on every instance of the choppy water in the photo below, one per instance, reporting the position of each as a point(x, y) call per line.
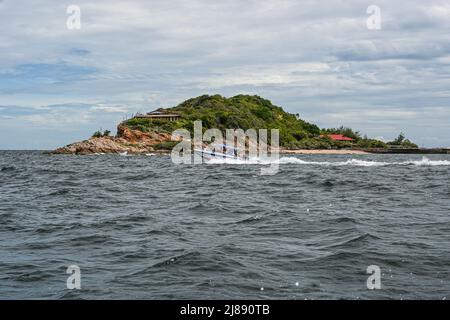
point(141, 227)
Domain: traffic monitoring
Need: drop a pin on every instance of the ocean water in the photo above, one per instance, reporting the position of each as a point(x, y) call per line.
point(142, 227)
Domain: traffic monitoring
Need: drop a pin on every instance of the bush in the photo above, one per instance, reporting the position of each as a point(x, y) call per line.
point(99, 134)
point(166, 145)
point(371, 143)
point(402, 142)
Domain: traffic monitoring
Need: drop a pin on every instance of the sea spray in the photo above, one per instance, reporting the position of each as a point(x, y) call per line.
point(350, 162)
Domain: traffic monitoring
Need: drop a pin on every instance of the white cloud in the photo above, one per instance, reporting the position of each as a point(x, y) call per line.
point(312, 58)
point(109, 108)
point(441, 11)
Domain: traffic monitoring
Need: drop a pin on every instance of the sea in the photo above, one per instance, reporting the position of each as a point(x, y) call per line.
point(142, 227)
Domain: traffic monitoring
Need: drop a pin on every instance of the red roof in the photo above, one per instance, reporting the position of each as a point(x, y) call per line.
point(339, 137)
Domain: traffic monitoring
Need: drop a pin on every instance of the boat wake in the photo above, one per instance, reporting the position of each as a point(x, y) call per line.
point(350, 162)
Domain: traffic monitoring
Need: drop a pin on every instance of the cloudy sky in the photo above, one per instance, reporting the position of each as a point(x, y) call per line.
point(315, 58)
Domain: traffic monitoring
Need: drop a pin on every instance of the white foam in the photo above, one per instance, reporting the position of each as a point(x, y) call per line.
point(427, 162)
point(350, 162)
point(231, 161)
point(366, 163)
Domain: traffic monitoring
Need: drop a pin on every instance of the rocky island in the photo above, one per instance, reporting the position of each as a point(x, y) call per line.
point(151, 132)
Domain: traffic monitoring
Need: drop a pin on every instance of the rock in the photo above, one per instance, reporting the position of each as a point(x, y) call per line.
point(126, 140)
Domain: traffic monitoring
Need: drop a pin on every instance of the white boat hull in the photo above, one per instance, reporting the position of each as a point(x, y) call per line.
point(216, 155)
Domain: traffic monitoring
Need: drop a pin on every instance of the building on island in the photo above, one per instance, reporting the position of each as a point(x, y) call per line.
point(337, 137)
point(159, 114)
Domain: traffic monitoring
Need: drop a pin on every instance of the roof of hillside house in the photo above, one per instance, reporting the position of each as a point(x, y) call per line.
point(158, 111)
point(339, 137)
point(161, 112)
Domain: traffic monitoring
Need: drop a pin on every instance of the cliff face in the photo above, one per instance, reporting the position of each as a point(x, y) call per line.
point(126, 140)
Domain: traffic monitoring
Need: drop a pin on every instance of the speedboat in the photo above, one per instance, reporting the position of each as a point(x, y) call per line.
point(220, 151)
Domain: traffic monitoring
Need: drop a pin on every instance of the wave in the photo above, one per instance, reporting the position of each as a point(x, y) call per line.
point(427, 162)
point(357, 240)
point(8, 168)
point(184, 258)
point(342, 220)
point(350, 162)
point(55, 193)
point(249, 219)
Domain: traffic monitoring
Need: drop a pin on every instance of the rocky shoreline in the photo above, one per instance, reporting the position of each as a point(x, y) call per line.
point(126, 141)
point(137, 142)
point(131, 141)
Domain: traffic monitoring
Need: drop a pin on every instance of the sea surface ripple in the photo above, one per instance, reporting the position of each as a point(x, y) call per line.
point(142, 227)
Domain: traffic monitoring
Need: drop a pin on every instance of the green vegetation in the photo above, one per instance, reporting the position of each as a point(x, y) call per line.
point(348, 132)
point(242, 111)
point(99, 134)
point(370, 143)
point(167, 145)
point(146, 125)
point(359, 141)
point(402, 142)
point(245, 112)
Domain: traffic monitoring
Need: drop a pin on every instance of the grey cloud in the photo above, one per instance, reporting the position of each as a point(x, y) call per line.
point(140, 54)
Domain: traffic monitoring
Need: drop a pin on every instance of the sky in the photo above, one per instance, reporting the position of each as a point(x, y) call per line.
point(320, 59)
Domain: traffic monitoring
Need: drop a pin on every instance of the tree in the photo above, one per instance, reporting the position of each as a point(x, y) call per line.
point(400, 139)
point(97, 134)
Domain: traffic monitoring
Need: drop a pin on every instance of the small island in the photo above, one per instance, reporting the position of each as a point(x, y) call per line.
point(151, 132)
